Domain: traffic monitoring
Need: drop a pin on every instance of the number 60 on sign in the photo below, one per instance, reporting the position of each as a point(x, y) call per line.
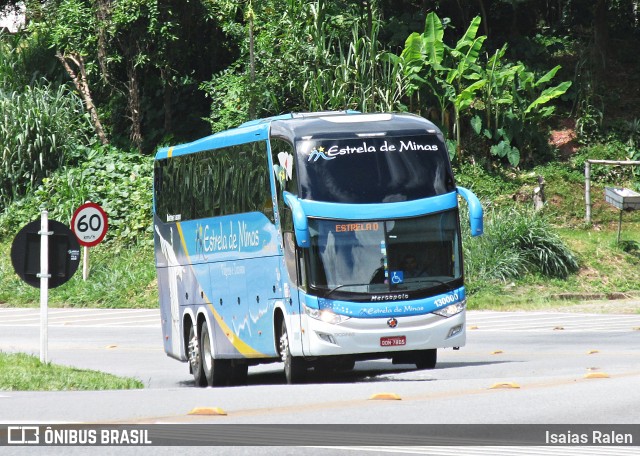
point(89, 223)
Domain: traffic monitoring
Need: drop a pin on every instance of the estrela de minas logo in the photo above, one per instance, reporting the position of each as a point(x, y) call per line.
point(317, 153)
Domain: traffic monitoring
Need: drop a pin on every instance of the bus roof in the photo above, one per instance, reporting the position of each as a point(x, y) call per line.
point(304, 125)
point(350, 125)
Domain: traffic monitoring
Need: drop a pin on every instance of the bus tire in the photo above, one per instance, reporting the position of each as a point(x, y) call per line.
point(426, 359)
point(346, 365)
point(195, 359)
point(216, 371)
point(295, 369)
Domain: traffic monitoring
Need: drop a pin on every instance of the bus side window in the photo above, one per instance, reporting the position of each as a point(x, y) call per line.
point(286, 177)
point(285, 173)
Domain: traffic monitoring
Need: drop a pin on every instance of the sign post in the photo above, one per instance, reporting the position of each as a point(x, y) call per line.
point(89, 223)
point(44, 285)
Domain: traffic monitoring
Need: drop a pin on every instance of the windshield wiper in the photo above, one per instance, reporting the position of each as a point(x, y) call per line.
point(447, 285)
point(432, 280)
point(330, 292)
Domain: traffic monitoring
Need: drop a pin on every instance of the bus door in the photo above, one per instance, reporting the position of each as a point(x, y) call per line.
point(292, 293)
point(286, 180)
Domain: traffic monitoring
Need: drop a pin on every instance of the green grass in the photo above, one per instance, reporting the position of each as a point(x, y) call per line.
point(21, 372)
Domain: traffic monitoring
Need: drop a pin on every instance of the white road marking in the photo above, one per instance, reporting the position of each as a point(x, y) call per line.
point(95, 318)
point(550, 321)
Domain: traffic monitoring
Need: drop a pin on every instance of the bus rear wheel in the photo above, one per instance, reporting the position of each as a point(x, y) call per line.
point(195, 360)
point(295, 369)
point(216, 371)
point(426, 359)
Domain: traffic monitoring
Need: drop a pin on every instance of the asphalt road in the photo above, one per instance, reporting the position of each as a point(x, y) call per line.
point(518, 367)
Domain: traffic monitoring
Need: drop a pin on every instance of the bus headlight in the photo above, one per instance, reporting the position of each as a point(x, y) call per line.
point(325, 315)
point(451, 310)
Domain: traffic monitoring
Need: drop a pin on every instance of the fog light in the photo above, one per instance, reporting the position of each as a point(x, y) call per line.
point(327, 338)
point(454, 331)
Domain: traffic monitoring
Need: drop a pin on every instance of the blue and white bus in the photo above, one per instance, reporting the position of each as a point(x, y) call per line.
point(312, 239)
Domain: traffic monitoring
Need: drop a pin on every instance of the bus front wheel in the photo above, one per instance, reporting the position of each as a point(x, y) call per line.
point(216, 371)
point(295, 369)
point(426, 359)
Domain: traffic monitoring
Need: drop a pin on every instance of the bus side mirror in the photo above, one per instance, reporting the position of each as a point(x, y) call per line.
point(475, 211)
point(300, 223)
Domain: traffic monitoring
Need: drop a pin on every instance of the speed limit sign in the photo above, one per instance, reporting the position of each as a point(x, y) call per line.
point(89, 223)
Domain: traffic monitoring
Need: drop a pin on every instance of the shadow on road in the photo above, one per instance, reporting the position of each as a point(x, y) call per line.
point(364, 372)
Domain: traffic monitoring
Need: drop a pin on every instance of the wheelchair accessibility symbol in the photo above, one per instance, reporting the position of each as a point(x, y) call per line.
point(397, 277)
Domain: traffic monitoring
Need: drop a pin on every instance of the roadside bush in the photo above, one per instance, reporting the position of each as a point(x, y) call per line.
point(516, 242)
point(25, 59)
point(120, 182)
point(486, 184)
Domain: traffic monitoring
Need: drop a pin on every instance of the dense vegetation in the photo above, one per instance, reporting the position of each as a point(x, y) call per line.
point(521, 89)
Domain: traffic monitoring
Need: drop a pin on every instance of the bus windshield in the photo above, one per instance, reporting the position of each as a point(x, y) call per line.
point(373, 169)
point(418, 256)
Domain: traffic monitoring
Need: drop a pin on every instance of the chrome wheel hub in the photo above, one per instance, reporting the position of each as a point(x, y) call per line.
point(194, 352)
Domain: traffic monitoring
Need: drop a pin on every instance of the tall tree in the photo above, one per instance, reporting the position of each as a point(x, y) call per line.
point(122, 53)
point(272, 51)
point(71, 24)
point(600, 34)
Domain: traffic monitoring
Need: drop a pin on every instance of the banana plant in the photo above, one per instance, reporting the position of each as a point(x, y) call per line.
point(453, 75)
point(423, 56)
point(511, 118)
point(549, 93)
point(460, 78)
point(467, 77)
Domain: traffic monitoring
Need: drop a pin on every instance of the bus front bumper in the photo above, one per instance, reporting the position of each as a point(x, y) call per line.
point(381, 335)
